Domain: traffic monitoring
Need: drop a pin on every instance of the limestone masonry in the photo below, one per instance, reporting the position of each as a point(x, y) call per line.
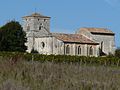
point(85, 41)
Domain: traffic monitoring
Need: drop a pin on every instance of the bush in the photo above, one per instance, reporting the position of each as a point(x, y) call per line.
point(117, 53)
point(34, 51)
point(109, 61)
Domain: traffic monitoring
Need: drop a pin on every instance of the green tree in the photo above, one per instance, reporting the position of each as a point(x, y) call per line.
point(12, 37)
point(117, 52)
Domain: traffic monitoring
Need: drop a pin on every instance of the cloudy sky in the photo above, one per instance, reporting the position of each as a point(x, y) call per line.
point(67, 15)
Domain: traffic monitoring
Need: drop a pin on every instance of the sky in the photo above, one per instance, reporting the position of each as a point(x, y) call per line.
point(67, 16)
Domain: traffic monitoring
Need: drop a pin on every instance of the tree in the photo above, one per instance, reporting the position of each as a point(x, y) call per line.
point(117, 52)
point(12, 37)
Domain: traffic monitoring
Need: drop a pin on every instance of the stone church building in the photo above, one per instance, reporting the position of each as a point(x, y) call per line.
point(85, 41)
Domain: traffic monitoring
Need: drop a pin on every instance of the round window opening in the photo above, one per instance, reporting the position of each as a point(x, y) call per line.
point(42, 44)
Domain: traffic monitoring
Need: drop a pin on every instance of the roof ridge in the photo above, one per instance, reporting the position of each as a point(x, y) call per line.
point(35, 14)
point(98, 30)
point(76, 38)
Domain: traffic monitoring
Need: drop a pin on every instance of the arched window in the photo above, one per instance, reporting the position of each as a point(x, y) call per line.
point(40, 27)
point(67, 49)
point(42, 45)
point(79, 50)
point(91, 51)
point(44, 20)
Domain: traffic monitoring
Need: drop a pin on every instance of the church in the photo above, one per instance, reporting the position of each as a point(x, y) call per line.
point(84, 42)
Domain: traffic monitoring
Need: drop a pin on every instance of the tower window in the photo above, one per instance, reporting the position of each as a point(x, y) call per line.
point(40, 27)
point(44, 20)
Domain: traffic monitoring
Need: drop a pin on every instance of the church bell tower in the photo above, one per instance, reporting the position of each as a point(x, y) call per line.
point(36, 22)
point(35, 26)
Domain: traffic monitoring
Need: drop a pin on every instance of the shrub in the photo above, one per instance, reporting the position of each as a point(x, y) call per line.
point(109, 60)
point(117, 52)
point(34, 51)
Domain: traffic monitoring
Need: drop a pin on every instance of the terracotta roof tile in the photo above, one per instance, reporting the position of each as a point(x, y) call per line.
point(36, 15)
point(73, 38)
point(98, 30)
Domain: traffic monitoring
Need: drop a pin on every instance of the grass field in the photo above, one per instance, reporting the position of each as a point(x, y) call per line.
point(35, 75)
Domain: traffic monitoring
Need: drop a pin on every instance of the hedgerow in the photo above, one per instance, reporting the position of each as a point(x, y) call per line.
point(112, 61)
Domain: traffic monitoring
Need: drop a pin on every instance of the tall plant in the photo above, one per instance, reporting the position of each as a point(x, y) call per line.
point(12, 37)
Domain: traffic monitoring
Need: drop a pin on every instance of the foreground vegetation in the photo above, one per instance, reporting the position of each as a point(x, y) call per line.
point(105, 61)
point(22, 71)
point(34, 75)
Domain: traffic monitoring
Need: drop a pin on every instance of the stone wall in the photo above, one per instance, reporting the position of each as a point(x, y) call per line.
point(36, 24)
point(84, 33)
point(51, 46)
point(29, 44)
point(108, 42)
point(44, 45)
point(85, 48)
point(57, 47)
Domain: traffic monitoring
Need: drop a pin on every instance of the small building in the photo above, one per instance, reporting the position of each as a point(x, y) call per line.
point(85, 42)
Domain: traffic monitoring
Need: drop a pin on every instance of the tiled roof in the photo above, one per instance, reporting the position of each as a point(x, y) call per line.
point(77, 38)
point(98, 30)
point(36, 15)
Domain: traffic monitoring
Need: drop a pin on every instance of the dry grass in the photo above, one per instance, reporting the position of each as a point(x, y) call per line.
point(24, 75)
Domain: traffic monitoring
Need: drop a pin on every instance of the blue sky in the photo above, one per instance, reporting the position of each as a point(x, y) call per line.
point(67, 15)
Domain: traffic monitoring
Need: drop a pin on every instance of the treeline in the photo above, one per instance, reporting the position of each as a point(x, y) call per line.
point(12, 37)
point(16, 56)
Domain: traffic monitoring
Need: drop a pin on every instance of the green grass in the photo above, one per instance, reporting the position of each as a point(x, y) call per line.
point(35, 75)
